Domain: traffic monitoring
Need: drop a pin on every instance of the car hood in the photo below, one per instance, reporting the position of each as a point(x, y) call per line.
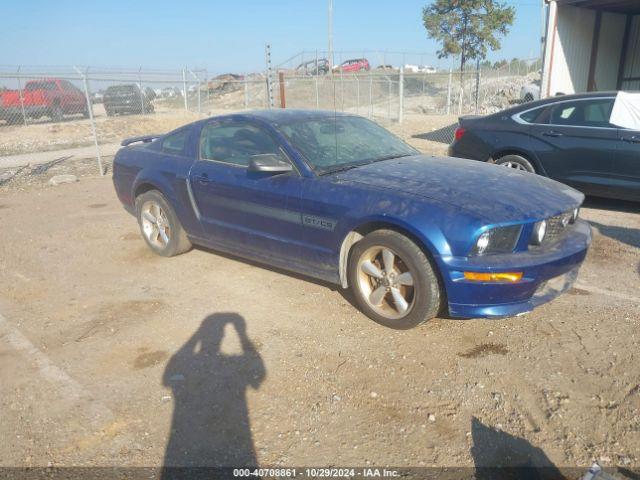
point(495, 193)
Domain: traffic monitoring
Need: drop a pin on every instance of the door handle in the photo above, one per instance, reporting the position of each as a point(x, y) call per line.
point(552, 133)
point(202, 179)
point(632, 139)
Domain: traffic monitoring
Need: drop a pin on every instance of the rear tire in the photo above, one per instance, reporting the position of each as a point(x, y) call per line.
point(400, 291)
point(516, 162)
point(160, 226)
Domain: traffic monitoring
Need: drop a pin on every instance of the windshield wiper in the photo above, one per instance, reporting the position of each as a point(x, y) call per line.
point(366, 162)
point(390, 157)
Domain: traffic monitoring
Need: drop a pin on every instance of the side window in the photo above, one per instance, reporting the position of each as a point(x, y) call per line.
point(175, 142)
point(235, 143)
point(537, 115)
point(585, 113)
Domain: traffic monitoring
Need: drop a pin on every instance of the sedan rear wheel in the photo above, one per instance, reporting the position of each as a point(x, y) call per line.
point(517, 163)
point(393, 281)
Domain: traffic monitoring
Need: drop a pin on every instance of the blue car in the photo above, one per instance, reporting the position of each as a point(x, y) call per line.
point(339, 198)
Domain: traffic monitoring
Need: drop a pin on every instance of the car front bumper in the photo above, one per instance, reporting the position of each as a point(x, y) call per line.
point(546, 274)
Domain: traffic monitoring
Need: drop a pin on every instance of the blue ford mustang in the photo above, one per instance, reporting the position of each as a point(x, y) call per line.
point(339, 198)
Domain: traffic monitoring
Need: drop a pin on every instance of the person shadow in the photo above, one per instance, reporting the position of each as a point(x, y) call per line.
point(498, 455)
point(210, 426)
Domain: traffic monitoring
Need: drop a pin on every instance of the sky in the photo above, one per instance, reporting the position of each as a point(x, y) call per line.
point(228, 36)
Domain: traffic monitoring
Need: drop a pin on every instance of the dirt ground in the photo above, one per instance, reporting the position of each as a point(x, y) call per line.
point(110, 355)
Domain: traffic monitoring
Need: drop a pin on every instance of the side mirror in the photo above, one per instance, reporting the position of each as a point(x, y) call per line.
point(269, 163)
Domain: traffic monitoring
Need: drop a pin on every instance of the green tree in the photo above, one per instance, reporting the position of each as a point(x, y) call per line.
point(469, 28)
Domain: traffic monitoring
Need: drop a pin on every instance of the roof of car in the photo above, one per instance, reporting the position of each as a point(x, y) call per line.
point(285, 115)
point(557, 98)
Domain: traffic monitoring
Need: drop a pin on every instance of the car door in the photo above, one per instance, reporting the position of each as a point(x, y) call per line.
point(242, 211)
point(626, 165)
point(575, 143)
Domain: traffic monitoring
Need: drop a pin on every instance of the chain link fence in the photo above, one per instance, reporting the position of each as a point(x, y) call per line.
point(65, 108)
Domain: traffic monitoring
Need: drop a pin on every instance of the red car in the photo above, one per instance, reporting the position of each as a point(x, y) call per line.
point(353, 65)
point(49, 97)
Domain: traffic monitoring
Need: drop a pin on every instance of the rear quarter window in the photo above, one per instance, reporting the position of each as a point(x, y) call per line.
point(175, 143)
point(534, 116)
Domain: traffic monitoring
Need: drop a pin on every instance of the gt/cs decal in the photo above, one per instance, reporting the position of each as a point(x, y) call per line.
point(318, 222)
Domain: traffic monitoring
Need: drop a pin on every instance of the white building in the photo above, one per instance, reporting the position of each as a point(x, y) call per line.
point(591, 45)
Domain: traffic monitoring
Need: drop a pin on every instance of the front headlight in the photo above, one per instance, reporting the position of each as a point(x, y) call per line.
point(539, 232)
point(497, 240)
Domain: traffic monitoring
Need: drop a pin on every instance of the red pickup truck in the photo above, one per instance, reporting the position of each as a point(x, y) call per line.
point(49, 97)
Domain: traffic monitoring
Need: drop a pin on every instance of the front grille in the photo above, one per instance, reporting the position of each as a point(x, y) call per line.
point(556, 227)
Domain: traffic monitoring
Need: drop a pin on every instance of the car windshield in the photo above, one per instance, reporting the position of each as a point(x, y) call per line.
point(332, 144)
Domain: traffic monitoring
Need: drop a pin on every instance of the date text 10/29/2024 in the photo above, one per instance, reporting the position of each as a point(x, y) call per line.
point(315, 472)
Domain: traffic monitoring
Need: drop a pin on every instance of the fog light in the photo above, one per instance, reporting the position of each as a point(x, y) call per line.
point(493, 277)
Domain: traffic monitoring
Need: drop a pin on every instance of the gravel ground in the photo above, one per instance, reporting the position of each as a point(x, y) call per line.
point(113, 356)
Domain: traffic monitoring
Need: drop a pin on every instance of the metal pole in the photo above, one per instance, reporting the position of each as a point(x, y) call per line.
point(449, 92)
point(370, 95)
point(267, 55)
point(342, 89)
point(184, 88)
point(401, 95)
point(91, 119)
point(357, 94)
point(141, 91)
point(330, 53)
point(246, 91)
point(477, 83)
point(317, 93)
point(20, 93)
point(197, 78)
point(389, 102)
point(283, 103)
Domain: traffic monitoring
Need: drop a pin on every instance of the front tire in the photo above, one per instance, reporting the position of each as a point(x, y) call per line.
point(516, 162)
point(160, 226)
point(393, 281)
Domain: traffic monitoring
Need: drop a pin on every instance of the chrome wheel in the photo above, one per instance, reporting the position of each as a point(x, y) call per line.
point(155, 224)
point(386, 282)
point(515, 165)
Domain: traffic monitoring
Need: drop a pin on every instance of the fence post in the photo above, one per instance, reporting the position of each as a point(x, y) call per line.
point(246, 91)
point(449, 92)
point(267, 56)
point(401, 95)
point(389, 101)
point(341, 86)
point(184, 88)
point(357, 94)
point(20, 94)
point(197, 78)
point(477, 84)
point(370, 95)
point(91, 119)
point(141, 91)
point(317, 92)
point(283, 103)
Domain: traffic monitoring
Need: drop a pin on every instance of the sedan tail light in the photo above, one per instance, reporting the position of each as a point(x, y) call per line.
point(460, 131)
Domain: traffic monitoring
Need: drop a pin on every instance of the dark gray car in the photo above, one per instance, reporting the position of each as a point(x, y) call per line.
point(566, 138)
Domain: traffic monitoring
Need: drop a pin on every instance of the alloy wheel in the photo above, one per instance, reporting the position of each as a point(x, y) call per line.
point(155, 224)
point(515, 166)
point(386, 282)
